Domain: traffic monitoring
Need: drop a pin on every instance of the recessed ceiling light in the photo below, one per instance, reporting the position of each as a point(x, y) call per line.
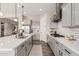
point(18, 5)
point(41, 9)
point(15, 19)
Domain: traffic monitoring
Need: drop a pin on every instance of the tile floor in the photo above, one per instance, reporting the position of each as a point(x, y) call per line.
point(36, 50)
point(41, 48)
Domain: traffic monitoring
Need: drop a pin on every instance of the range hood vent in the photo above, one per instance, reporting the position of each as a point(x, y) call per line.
point(58, 16)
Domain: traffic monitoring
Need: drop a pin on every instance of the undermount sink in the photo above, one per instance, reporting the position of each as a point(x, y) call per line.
point(57, 35)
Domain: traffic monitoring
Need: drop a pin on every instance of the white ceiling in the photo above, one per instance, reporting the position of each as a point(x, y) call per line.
point(30, 8)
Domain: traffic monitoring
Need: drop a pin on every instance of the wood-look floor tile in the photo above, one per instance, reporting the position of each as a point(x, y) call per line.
point(46, 51)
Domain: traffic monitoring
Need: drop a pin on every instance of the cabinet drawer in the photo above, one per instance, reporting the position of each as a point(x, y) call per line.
point(69, 52)
point(22, 52)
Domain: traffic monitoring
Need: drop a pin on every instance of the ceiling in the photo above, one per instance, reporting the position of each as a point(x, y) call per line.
point(29, 8)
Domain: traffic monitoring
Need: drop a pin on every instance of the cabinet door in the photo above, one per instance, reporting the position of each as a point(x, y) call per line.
point(68, 52)
point(22, 52)
point(57, 51)
point(66, 15)
point(76, 9)
point(36, 37)
point(55, 47)
point(29, 45)
point(49, 41)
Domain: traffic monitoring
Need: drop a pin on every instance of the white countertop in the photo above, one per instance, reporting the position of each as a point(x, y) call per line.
point(11, 42)
point(73, 45)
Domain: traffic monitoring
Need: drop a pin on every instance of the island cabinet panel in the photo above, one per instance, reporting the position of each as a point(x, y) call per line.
point(13, 46)
point(22, 52)
point(28, 45)
point(25, 48)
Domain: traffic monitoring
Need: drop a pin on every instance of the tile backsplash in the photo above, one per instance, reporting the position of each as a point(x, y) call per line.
point(68, 31)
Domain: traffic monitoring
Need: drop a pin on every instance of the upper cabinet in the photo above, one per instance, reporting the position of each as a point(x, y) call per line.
point(76, 9)
point(66, 15)
point(70, 15)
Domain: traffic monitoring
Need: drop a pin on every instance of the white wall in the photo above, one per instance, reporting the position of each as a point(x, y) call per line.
point(45, 21)
point(43, 27)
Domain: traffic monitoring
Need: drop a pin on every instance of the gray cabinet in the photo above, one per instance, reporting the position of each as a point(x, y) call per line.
point(70, 15)
point(58, 48)
point(66, 15)
point(25, 48)
point(21, 51)
point(51, 43)
point(36, 36)
point(28, 45)
point(76, 14)
point(49, 39)
point(68, 52)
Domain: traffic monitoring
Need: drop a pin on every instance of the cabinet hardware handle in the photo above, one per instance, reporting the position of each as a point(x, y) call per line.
point(67, 51)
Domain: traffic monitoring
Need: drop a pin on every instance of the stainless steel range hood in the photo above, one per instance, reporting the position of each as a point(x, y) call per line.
point(58, 15)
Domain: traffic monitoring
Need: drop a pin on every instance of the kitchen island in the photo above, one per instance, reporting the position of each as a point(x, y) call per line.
point(11, 46)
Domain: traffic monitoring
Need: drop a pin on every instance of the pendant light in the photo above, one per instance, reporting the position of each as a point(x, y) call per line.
point(15, 19)
point(22, 14)
point(1, 14)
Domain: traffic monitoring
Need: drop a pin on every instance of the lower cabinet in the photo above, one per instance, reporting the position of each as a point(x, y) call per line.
point(29, 45)
point(22, 52)
point(51, 43)
point(49, 39)
point(58, 48)
point(25, 48)
point(68, 52)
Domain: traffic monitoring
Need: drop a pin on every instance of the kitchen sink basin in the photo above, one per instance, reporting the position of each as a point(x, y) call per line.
point(57, 35)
